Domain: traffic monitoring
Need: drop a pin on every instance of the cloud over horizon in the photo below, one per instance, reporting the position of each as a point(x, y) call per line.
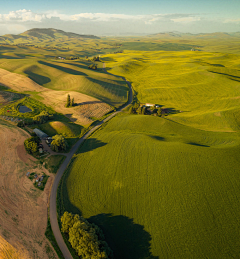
point(16, 21)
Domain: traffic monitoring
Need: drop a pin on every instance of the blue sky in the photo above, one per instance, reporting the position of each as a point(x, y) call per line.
point(105, 17)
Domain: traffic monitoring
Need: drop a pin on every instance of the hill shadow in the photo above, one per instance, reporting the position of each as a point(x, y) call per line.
point(127, 239)
point(157, 138)
point(64, 69)
point(90, 144)
point(232, 77)
point(41, 80)
point(196, 144)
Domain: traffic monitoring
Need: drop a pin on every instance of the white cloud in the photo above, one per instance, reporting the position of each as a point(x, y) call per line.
point(186, 19)
point(29, 16)
point(22, 16)
point(237, 21)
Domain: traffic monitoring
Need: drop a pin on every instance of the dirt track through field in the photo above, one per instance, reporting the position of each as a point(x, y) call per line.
point(23, 208)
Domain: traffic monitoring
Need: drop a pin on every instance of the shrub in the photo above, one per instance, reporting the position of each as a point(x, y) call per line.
point(20, 124)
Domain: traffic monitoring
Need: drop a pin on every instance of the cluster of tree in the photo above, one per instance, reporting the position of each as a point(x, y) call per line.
point(93, 66)
point(119, 51)
point(70, 102)
point(41, 118)
point(96, 58)
point(58, 143)
point(137, 109)
point(31, 144)
point(86, 238)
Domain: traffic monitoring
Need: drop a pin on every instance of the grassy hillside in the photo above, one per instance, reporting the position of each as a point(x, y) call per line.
point(71, 76)
point(159, 189)
point(201, 88)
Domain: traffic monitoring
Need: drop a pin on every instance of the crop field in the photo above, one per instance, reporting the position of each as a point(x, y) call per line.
point(159, 189)
point(70, 76)
point(200, 88)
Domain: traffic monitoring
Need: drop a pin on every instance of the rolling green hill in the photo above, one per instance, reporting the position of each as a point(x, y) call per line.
point(201, 88)
point(72, 76)
point(37, 35)
point(159, 189)
point(166, 187)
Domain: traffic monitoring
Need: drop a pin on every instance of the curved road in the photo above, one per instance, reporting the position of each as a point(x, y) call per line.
point(53, 197)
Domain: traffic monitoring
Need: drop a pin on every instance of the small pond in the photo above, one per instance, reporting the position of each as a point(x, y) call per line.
point(24, 109)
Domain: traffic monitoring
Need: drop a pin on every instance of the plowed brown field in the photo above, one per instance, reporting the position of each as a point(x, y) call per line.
point(23, 208)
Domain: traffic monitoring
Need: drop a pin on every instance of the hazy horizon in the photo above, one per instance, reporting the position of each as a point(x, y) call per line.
point(121, 18)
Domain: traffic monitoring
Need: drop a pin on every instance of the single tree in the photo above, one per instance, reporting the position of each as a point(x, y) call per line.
point(72, 102)
point(159, 111)
point(68, 101)
point(58, 143)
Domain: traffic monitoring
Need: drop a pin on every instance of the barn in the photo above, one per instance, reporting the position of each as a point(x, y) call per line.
point(40, 133)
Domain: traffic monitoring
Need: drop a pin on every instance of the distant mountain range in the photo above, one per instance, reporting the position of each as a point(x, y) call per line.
point(41, 35)
point(177, 34)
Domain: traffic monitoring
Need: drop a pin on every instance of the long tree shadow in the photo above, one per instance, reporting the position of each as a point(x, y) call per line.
point(90, 144)
point(127, 239)
point(64, 69)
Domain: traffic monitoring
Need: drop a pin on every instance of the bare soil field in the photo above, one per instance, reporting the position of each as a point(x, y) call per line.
point(86, 108)
point(23, 208)
point(7, 251)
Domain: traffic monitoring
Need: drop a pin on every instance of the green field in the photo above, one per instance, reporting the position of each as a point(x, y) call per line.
point(72, 76)
point(201, 88)
point(159, 188)
point(166, 187)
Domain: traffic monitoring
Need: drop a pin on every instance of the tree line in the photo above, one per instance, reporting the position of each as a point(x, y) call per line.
point(86, 238)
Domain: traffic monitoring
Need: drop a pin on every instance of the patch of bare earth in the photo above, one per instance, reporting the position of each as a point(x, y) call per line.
point(23, 208)
point(7, 251)
point(87, 107)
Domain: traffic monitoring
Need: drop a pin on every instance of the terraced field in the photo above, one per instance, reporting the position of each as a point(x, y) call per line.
point(166, 187)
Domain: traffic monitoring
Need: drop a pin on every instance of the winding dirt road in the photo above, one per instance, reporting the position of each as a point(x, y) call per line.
point(53, 197)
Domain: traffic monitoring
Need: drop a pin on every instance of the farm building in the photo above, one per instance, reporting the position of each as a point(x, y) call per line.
point(40, 133)
point(149, 104)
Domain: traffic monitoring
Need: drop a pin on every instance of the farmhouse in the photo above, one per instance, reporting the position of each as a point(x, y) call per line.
point(40, 133)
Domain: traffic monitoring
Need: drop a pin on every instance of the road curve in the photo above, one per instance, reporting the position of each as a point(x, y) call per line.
point(53, 196)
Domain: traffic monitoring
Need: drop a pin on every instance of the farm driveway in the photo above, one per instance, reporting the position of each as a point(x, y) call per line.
point(53, 202)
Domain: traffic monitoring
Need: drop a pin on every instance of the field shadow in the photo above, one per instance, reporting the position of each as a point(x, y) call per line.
point(127, 239)
point(64, 69)
point(70, 117)
point(77, 65)
point(197, 144)
point(90, 102)
point(157, 138)
point(90, 144)
point(41, 80)
point(232, 77)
